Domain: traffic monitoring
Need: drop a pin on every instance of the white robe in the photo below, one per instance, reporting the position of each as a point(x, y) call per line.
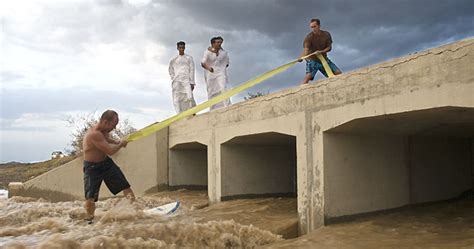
point(217, 80)
point(181, 70)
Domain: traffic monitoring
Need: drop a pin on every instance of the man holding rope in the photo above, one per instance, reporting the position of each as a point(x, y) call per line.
point(98, 166)
point(319, 42)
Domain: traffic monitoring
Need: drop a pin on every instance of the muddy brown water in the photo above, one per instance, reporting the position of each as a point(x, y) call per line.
point(35, 223)
point(448, 224)
point(247, 223)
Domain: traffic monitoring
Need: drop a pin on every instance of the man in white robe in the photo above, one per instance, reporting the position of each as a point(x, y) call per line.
point(215, 63)
point(181, 70)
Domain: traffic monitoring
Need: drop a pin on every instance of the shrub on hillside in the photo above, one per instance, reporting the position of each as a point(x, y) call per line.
point(254, 95)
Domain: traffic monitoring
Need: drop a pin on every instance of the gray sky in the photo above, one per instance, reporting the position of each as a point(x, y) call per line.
point(69, 58)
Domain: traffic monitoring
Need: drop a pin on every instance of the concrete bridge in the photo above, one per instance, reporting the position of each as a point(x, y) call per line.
point(381, 137)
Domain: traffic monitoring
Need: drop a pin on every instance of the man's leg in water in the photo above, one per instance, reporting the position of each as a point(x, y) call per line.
point(128, 193)
point(90, 209)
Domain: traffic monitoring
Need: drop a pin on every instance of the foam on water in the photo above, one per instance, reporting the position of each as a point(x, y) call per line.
point(119, 223)
point(36, 223)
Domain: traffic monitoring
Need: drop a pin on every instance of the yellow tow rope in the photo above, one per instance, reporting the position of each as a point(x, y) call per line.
point(160, 125)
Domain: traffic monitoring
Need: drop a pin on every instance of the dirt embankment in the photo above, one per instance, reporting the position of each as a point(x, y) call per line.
point(22, 172)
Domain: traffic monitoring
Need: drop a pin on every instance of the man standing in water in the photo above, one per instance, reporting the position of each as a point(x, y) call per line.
point(318, 41)
point(98, 167)
point(181, 70)
point(215, 63)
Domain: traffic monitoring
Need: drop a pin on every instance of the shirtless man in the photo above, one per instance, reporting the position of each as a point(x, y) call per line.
point(98, 167)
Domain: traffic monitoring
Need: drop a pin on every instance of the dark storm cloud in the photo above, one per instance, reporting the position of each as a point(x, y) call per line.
point(352, 18)
point(364, 32)
point(259, 35)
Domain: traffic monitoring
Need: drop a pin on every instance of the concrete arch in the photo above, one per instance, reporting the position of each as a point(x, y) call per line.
point(388, 161)
point(188, 166)
point(258, 165)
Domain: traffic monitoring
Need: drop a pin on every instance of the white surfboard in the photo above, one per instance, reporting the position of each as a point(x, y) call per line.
point(166, 209)
point(3, 194)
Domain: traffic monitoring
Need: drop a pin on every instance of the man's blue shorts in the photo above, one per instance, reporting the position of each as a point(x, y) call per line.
point(313, 66)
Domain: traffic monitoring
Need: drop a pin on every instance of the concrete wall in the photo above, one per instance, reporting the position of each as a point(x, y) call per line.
point(188, 166)
point(253, 170)
point(61, 184)
point(440, 168)
point(144, 163)
point(364, 173)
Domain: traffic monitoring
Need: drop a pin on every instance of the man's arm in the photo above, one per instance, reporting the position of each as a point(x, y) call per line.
point(208, 68)
point(305, 49)
point(171, 69)
point(111, 141)
point(327, 49)
point(227, 60)
point(305, 52)
point(329, 44)
point(191, 71)
point(100, 142)
point(204, 64)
